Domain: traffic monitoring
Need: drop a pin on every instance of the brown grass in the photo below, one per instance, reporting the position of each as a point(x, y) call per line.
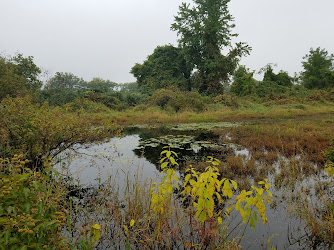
point(288, 138)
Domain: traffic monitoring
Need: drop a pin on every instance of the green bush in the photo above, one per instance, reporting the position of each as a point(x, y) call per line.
point(227, 100)
point(179, 101)
point(330, 151)
point(30, 213)
point(38, 131)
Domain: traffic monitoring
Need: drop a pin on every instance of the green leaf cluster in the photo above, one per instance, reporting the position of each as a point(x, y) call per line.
point(318, 69)
point(166, 67)
point(162, 192)
point(18, 76)
point(206, 191)
point(30, 212)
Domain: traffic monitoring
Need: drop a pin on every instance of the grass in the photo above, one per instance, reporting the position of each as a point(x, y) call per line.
point(155, 115)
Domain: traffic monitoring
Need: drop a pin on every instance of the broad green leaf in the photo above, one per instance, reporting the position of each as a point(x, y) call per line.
point(172, 160)
point(251, 223)
point(163, 165)
point(235, 186)
point(202, 217)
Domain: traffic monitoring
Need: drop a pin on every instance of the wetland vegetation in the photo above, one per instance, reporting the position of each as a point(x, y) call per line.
point(196, 154)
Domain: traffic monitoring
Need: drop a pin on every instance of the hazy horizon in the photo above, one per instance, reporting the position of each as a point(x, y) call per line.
point(106, 38)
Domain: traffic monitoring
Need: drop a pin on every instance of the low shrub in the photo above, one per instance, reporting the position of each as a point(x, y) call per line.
point(179, 101)
point(227, 100)
point(31, 216)
point(38, 131)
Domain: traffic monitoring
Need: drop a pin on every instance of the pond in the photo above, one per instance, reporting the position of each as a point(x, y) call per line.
point(136, 156)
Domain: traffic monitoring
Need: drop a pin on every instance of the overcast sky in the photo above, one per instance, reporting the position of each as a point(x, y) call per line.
point(105, 38)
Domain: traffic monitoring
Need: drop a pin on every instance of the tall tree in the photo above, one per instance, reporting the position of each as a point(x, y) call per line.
point(11, 84)
point(26, 67)
point(318, 69)
point(18, 76)
point(165, 67)
point(204, 30)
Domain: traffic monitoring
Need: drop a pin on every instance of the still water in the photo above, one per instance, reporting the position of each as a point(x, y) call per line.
point(136, 155)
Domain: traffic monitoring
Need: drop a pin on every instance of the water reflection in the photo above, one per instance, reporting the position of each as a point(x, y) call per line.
point(138, 153)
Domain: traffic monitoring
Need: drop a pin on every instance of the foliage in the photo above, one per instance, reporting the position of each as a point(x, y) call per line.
point(100, 85)
point(330, 152)
point(244, 83)
point(65, 81)
point(205, 186)
point(11, 84)
point(164, 68)
point(269, 88)
point(18, 76)
point(318, 69)
point(30, 212)
point(161, 198)
point(58, 97)
point(330, 168)
point(206, 193)
point(128, 87)
point(281, 79)
point(38, 131)
point(204, 30)
point(25, 66)
point(178, 101)
point(228, 100)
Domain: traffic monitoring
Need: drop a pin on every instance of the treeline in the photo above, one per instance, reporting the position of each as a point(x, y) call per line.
point(166, 82)
point(318, 74)
point(19, 76)
point(166, 68)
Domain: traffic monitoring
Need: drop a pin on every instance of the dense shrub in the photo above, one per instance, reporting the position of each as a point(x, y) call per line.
point(37, 131)
point(179, 101)
point(30, 213)
point(58, 97)
point(227, 100)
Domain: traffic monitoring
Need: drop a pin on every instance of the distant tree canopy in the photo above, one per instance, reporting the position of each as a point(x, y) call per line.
point(65, 81)
point(243, 82)
point(100, 85)
point(128, 87)
point(164, 68)
point(18, 76)
point(281, 79)
point(318, 69)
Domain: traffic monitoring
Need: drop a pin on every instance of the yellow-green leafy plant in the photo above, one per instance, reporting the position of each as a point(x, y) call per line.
point(31, 216)
point(330, 168)
point(205, 187)
point(206, 192)
point(248, 200)
point(162, 192)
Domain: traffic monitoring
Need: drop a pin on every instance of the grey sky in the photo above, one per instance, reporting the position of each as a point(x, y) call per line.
point(105, 38)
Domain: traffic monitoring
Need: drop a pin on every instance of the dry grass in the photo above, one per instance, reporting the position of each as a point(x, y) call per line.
point(306, 139)
point(155, 115)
